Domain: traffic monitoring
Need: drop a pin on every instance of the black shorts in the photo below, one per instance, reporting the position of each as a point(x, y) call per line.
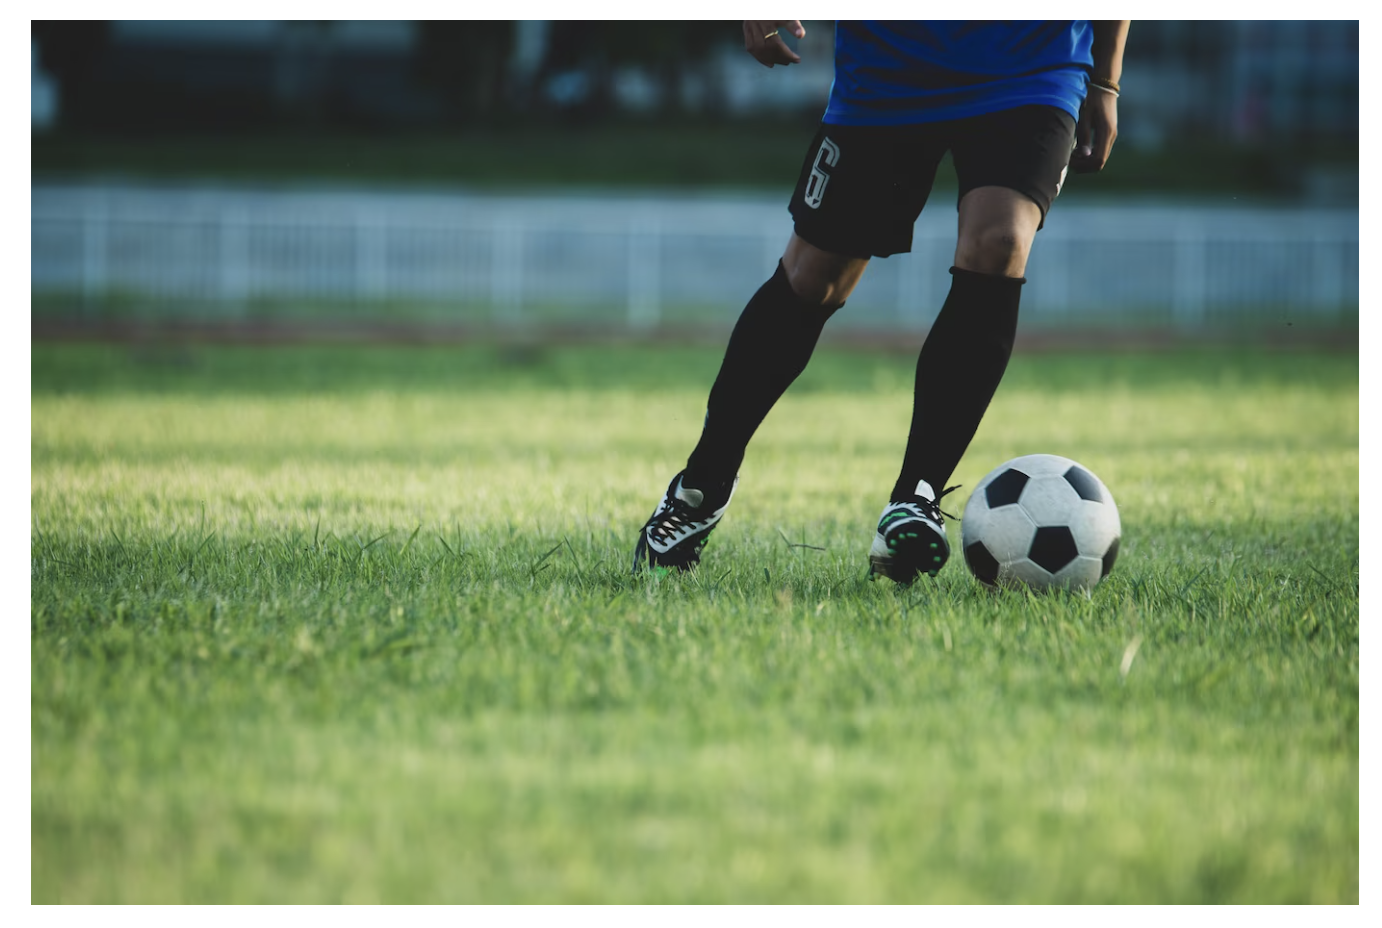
point(862, 187)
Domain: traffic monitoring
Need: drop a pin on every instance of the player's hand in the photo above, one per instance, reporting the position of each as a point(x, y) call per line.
point(761, 40)
point(1095, 132)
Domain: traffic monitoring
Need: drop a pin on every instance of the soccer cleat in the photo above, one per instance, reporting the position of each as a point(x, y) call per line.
point(911, 537)
point(679, 527)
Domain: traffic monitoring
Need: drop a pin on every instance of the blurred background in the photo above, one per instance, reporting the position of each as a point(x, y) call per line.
point(442, 180)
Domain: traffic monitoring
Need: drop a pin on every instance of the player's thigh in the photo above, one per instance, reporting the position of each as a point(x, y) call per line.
point(1025, 149)
point(861, 188)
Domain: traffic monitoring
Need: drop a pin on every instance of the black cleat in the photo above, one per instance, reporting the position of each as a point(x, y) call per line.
point(680, 526)
point(911, 538)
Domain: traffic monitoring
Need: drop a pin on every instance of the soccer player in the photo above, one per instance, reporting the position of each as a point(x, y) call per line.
point(1016, 104)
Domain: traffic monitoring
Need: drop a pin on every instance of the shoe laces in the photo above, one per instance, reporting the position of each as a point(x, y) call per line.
point(667, 522)
point(937, 503)
point(931, 508)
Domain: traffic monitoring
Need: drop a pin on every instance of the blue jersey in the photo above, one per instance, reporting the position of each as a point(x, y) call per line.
point(897, 73)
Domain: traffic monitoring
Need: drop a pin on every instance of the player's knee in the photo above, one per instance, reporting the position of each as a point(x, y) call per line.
point(820, 292)
point(999, 250)
point(820, 278)
point(819, 284)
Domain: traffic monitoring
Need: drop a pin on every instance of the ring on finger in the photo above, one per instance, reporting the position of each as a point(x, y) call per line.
point(769, 35)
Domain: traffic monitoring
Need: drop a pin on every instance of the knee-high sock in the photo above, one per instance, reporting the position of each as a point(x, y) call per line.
point(769, 347)
point(958, 370)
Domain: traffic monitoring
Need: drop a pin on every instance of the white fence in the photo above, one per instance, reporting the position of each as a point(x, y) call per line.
point(641, 261)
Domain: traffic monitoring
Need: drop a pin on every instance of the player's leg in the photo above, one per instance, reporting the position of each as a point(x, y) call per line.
point(966, 352)
point(1011, 166)
point(845, 212)
point(768, 349)
point(958, 370)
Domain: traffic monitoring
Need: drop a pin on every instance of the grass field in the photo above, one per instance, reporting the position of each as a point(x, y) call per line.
point(670, 152)
point(357, 625)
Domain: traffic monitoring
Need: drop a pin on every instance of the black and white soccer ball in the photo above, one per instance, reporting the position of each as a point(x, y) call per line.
point(1042, 521)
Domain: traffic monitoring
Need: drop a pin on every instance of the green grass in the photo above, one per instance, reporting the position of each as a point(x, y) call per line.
point(548, 154)
point(672, 152)
point(355, 625)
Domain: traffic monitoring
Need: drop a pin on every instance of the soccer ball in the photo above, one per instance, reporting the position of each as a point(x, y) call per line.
point(1043, 521)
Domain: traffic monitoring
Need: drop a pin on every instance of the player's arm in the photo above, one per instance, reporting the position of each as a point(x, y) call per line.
point(761, 40)
point(1098, 125)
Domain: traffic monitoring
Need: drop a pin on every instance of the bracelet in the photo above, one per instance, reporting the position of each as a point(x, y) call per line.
point(1104, 83)
point(1103, 88)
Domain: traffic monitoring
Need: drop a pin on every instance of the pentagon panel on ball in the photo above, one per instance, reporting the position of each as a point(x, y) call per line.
point(1041, 521)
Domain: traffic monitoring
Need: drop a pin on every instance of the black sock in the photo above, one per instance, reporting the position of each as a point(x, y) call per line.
point(958, 370)
point(768, 349)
